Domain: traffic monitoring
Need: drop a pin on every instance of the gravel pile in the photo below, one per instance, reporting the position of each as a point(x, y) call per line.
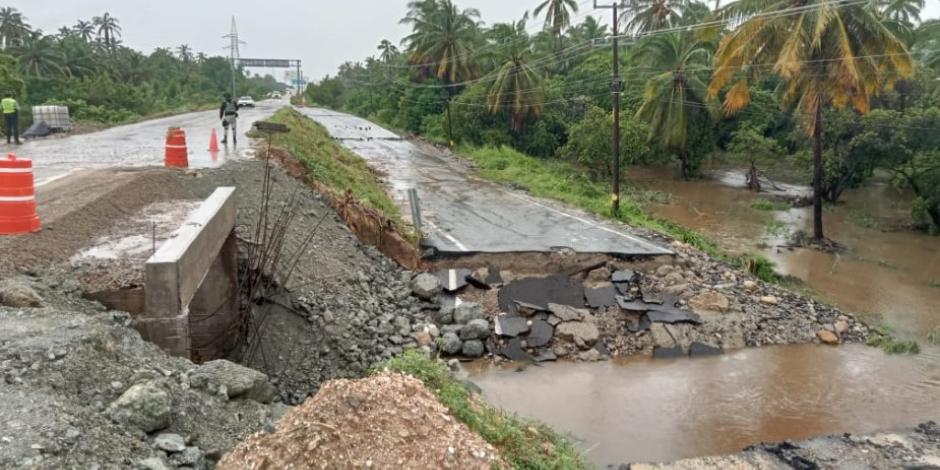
point(386, 421)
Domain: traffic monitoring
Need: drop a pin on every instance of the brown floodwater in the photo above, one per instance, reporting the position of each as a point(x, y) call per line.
point(886, 273)
point(644, 410)
point(638, 409)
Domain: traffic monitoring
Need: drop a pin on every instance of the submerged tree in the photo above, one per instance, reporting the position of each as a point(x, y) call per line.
point(826, 54)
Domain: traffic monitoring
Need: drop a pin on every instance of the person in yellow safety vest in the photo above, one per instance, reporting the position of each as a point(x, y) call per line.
point(11, 117)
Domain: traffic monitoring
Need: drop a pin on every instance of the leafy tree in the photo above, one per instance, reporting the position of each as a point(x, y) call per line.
point(833, 54)
point(589, 143)
point(10, 79)
point(517, 85)
point(676, 101)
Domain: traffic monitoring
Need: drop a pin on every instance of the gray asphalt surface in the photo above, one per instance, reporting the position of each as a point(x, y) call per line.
point(462, 213)
point(140, 144)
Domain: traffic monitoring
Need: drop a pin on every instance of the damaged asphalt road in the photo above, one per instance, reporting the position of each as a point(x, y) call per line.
point(463, 214)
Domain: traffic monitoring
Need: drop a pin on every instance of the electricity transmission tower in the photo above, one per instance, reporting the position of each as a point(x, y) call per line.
point(616, 88)
point(234, 54)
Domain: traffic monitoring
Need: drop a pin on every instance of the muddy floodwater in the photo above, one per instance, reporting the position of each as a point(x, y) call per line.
point(887, 273)
point(638, 409)
point(645, 410)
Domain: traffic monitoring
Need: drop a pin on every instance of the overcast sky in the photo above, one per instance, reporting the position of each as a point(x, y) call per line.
point(322, 33)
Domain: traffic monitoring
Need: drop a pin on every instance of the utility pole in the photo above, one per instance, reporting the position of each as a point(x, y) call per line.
point(234, 53)
point(616, 88)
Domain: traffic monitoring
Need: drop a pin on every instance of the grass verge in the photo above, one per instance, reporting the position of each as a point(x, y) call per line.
point(562, 181)
point(523, 444)
point(333, 165)
point(883, 337)
point(768, 205)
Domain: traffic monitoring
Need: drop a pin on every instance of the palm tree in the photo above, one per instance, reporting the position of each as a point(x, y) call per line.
point(676, 100)
point(389, 51)
point(650, 15)
point(829, 55)
point(13, 27)
point(185, 53)
point(442, 42)
point(557, 14)
point(108, 29)
point(517, 85)
point(902, 11)
point(75, 60)
point(588, 30)
point(85, 30)
point(39, 57)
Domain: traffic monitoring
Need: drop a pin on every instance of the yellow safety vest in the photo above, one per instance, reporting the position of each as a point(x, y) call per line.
point(8, 105)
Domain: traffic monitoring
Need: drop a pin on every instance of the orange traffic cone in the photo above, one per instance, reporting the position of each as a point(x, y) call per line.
point(213, 142)
point(17, 197)
point(177, 154)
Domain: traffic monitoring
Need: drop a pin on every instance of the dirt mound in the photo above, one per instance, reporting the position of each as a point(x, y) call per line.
point(386, 421)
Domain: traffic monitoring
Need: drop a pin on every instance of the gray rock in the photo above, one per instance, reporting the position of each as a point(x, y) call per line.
point(191, 457)
point(567, 313)
point(540, 334)
point(17, 295)
point(451, 343)
point(467, 311)
point(153, 463)
point(239, 381)
point(426, 286)
point(473, 348)
point(145, 406)
point(170, 442)
point(475, 329)
point(582, 334)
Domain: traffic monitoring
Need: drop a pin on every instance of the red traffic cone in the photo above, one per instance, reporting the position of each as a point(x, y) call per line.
point(213, 142)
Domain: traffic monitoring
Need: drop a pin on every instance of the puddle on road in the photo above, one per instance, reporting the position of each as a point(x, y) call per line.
point(644, 410)
point(886, 274)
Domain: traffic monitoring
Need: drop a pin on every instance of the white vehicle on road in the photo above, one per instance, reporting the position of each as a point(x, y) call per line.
point(246, 102)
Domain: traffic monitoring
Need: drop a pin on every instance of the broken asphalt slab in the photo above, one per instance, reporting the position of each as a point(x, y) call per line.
point(453, 280)
point(511, 325)
point(601, 297)
point(556, 289)
point(513, 351)
point(658, 313)
point(540, 334)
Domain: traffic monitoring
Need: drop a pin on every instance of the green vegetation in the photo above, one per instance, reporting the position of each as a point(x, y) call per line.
point(524, 444)
point(762, 268)
point(883, 337)
point(333, 165)
point(776, 228)
point(547, 93)
point(768, 205)
point(86, 68)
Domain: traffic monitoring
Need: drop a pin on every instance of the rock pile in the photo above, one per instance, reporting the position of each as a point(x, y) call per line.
point(385, 421)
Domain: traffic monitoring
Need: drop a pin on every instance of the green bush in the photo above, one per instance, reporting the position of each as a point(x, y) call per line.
point(883, 337)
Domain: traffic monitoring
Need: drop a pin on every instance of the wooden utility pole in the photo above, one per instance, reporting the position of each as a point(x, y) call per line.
point(616, 88)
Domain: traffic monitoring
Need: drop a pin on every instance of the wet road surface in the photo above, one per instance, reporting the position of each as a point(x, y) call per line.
point(654, 410)
point(463, 214)
point(140, 144)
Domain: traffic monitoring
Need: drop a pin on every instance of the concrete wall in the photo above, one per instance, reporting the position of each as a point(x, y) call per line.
point(191, 283)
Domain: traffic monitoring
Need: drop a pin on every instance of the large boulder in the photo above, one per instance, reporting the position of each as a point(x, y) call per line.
point(475, 329)
point(467, 311)
point(234, 380)
point(426, 286)
point(710, 301)
point(583, 334)
point(18, 295)
point(145, 406)
point(451, 343)
point(473, 348)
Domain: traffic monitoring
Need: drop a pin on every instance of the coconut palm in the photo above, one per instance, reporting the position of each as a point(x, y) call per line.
point(557, 14)
point(589, 30)
point(185, 53)
point(650, 15)
point(676, 100)
point(443, 39)
point(85, 30)
point(902, 11)
point(13, 27)
point(389, 51)
point(39, 57)
point(109, 29)
point(829, 55)
point(75, 59)
point(517, 86)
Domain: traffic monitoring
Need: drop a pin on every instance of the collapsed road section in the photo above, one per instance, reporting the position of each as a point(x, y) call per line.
point(462, 214)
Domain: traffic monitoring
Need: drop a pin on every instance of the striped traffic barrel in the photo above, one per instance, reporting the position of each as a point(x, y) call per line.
point(177, 155)
point(17, 197)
